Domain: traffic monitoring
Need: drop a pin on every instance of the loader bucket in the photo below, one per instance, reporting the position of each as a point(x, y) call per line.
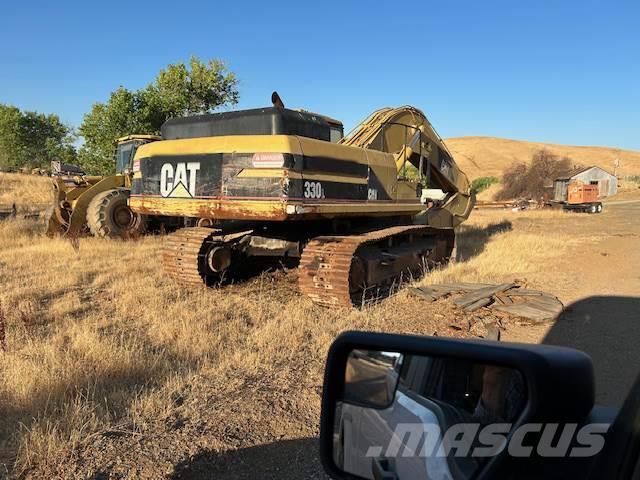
point(57, 215)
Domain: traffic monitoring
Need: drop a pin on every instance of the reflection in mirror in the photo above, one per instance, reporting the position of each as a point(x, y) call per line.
point(420, 417)
point(370, 378)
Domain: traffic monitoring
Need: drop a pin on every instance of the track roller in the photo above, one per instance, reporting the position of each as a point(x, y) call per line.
point(200, 255)
point(356, 269)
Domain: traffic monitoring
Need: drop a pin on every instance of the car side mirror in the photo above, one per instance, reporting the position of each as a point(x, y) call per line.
point(399, 406)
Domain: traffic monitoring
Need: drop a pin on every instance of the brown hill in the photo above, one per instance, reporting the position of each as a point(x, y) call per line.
point(489, 156)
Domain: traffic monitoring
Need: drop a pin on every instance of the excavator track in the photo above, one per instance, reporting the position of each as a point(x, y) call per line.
point(186, 254)
point(183, 251)
point(330, 266)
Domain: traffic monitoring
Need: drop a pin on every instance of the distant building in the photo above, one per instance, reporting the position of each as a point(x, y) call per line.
point(607, 183)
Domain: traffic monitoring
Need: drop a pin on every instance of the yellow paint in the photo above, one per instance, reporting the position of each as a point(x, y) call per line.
point(227, 208)
point(267, 173)
point(224, 144)
point(180, 191)
point(320, 148)
point(282, 173)
point(407, 190)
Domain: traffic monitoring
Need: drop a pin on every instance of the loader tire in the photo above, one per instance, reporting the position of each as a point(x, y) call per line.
point(109, 216)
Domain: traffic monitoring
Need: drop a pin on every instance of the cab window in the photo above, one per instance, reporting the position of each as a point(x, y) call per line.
point(124, 153)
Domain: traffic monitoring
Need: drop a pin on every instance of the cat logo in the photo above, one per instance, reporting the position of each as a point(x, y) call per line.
point(179, 181)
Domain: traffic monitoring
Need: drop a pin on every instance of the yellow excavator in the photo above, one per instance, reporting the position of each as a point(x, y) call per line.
point(360, 213)
point(97, 204)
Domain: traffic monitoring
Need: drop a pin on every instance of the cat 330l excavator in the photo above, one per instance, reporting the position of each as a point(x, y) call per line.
point(360, 212)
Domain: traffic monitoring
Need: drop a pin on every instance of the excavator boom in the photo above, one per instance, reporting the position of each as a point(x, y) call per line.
point(409, 136)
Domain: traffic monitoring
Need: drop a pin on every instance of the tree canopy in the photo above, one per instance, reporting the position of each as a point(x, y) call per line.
point(178, 90)
point(32, 139)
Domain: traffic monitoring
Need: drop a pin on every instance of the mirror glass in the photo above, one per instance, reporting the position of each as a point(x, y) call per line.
point(409, 416)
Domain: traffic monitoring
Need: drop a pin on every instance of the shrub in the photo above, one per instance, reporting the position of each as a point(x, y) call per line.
point(528, 181)
point(482, 183)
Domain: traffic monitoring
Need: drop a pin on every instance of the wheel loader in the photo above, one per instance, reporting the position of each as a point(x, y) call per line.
point(359, 213)
point(97, 204)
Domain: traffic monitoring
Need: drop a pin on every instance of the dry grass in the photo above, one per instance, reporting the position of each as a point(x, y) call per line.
point(103, 352)
point(489, 251)
point(25, 191)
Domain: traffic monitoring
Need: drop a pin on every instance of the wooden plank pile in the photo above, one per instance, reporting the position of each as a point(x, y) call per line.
point(509, 298)
point(7, 211)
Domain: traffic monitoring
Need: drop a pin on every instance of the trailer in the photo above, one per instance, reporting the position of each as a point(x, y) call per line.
point(579, 197)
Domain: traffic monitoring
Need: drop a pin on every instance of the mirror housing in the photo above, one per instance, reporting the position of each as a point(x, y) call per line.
point(559, 381)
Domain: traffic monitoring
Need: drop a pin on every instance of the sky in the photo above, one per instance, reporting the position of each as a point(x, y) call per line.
point(543, 70)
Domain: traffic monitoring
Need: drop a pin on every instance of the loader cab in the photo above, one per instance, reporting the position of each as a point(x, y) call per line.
point(126, 149)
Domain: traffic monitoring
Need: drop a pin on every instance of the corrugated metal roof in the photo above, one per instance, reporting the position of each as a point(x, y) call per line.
point(577, 171)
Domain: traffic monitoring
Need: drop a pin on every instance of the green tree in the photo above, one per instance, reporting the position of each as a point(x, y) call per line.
point(107, 122)
point(177, 91)
point(32, 139)
point(10, 149)
point(199, 88)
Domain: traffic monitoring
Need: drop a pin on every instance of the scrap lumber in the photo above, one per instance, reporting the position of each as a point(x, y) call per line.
point(524, 292)
point(485, 292)
point(509, 298)
point(552, 307)
point(460, 286)
point(436, 293)
point(534, 305)
point(426, 293)
point(525, 310)
point(503, 298)
point(430, 293)
point(418, 292)
point(483, 302)
point(7, 211)
point(493, 333)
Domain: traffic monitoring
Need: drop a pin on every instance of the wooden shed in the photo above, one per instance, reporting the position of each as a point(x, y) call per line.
point(607, 183)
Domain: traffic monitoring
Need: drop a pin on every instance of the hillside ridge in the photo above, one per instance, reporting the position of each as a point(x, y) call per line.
point(481, 156)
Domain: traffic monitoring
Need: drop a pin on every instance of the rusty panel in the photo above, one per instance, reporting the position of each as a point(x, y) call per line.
point(210, 208)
